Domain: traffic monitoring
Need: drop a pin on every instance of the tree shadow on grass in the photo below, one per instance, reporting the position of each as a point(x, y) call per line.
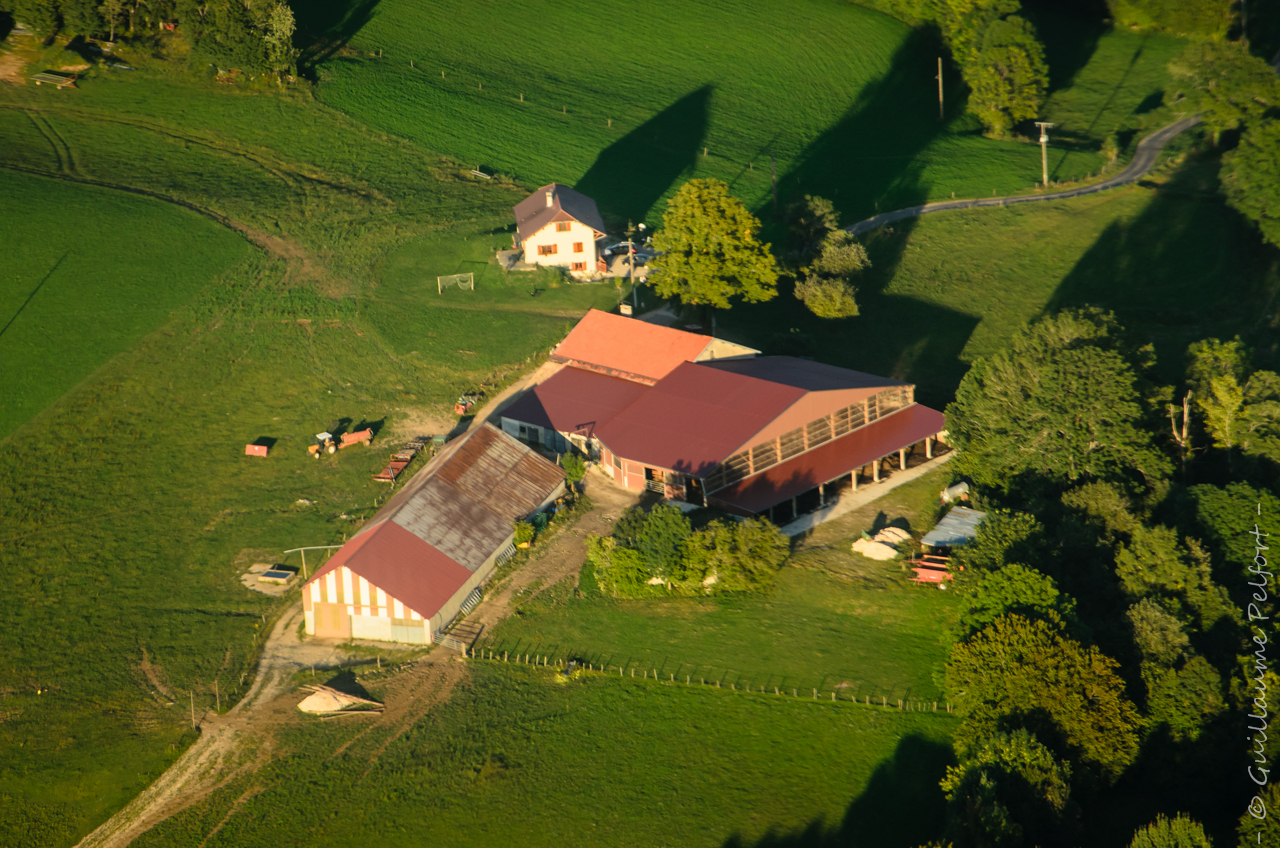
point(325, 26)
point(1069, 31)
point(1185, 269)
point(630, 175)
point(902, 806)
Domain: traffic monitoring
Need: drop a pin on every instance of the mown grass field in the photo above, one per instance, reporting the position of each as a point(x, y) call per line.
point(833, 621)
point(73, 294)
point(516, 758)
point(843, 98)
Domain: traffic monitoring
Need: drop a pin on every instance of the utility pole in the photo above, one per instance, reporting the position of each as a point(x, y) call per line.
point(1044, 149)
point(940, 112)
point(773, 173)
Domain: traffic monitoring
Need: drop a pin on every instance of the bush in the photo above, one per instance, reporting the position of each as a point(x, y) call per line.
point(524, 532)
point(575, 467)
point(660, 546)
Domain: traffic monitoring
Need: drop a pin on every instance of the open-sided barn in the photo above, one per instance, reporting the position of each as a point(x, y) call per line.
point(739, 432)
point(405, 575)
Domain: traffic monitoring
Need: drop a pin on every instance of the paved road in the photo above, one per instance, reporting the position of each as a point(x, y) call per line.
point(1143, 160)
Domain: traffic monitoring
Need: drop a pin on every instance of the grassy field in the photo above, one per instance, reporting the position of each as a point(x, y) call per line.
point(1173, 262)
point(834, 621)
point(506, 315)
point(625, 115)
point(514, 757)
point(73, 294)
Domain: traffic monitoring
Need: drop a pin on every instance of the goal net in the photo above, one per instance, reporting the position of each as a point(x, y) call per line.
point(462, 281)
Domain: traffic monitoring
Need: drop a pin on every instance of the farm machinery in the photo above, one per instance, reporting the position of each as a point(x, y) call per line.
point(328, 442)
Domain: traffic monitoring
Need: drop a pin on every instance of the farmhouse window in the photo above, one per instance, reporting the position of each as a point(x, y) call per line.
point(578, 266)
point(617, 462)
point(562, 226)
point(577, 247)
point(548, 249)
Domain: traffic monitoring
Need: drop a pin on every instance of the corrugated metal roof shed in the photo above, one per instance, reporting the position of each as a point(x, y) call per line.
point(449, 519)
point(628, 348)
point(831, 460)
point(957, 527)
point(695, 417)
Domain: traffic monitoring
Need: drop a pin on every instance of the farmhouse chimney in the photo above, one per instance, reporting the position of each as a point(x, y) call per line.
point(550, 195)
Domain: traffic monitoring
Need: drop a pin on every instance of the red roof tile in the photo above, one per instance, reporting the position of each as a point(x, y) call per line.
point(694, 418)
point(832, 460)
point(627, 347)
point(574, 401)
point(402, 565)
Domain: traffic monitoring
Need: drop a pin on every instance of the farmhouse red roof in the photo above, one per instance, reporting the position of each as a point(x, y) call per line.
point(574, 401)
point(628, 348)
point(695, 417)
point(533, 213)
point(402, 565)
point(832, 460)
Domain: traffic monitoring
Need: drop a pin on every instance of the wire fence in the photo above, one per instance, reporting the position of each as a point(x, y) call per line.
point(678, 672)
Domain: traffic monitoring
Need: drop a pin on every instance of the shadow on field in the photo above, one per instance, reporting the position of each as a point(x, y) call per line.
point(1069, 31)
point(630, 175)
point(325, 26)
point(869, 155)
point(1185, 269)
point(902, 806)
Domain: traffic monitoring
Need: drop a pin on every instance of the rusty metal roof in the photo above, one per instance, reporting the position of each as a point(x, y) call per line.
point(449, 519)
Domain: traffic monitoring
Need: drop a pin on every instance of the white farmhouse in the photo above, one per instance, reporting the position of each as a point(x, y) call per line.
point(559, 226)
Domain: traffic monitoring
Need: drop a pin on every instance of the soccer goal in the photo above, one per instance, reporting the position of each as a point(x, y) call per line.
point(463, 281)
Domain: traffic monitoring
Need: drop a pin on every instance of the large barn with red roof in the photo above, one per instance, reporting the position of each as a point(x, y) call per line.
point(408, 572)
point(660, 410)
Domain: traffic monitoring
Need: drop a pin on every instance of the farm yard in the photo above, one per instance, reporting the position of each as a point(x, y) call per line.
point(302, 289)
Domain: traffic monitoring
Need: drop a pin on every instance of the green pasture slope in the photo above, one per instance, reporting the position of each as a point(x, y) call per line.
point(1173, 262)
point(73, 294)
point(515, 758)
point(833, 621)
point(843, 98)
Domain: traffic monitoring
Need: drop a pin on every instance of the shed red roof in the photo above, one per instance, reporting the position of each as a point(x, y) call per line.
point(402, 565)
point(695, 417)
point(832, 460)
point(574, 401)
point(627, 347)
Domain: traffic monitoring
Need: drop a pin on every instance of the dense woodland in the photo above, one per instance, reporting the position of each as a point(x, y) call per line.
point(1106, 654)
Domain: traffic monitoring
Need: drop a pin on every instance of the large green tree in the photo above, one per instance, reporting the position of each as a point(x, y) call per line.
point(826, 285)
point(1008, 76)
point(1024, 673)
point(1225, 84)
point(1251, 177)
point(1061, 402)
point(1008, 791)
point(1178, 832)
point(710, 252)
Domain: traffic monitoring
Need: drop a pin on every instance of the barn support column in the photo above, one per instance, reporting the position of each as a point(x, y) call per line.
point(902, 459)
point(854, 477)
point(822, 495)
point(795, 513)
point(928, 447)
point(875, 470)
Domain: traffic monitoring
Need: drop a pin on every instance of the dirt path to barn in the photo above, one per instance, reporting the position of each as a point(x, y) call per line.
point(563, 557)
point(240, 741)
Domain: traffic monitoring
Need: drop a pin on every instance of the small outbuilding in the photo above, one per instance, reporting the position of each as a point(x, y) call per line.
point(410, 571)
point(957, 527)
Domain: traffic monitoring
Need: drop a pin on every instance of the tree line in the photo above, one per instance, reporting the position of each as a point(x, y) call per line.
point(1104, 659)
point(227, 33)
